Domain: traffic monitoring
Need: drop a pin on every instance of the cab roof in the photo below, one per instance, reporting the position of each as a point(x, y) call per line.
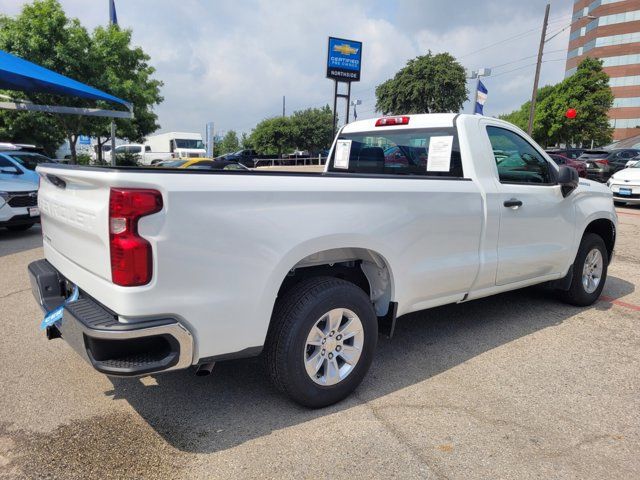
point(422, 120)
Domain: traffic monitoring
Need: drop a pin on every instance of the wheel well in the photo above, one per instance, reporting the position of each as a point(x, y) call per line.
point(606, 230)
point(362, 267)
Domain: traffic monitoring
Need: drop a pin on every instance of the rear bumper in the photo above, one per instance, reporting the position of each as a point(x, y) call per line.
point(110, 346)
point(629, 200)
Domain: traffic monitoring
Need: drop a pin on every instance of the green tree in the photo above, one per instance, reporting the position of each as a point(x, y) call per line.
point(520, 117)
point(43, 34)
point(588, 92)
point(126, 74)
point(312, 128)
point(31, 127)
point(245, 141)
point(230, 142)
point(427, 84)
point(273, 136)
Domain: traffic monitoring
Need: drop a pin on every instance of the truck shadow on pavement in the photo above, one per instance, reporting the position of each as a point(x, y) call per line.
point(15, 242)
point(237, 403)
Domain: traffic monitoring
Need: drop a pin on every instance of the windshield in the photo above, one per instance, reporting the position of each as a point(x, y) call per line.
point(30, 161)
point(180, 143)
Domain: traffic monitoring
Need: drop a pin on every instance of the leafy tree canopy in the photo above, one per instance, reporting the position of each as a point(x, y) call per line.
point(588, 92)
point(104, 59)
point(310, 129)
point(273, 135)
point(230, 142)
point(427, 84)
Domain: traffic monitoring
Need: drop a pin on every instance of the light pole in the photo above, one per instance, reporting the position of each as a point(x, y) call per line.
point(476, 75)
point(355, 103)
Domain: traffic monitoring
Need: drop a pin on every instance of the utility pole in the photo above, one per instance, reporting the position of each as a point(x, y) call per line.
point(534, 94)
point(283, 107)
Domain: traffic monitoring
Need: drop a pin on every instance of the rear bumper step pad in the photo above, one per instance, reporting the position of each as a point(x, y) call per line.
point(110, 346)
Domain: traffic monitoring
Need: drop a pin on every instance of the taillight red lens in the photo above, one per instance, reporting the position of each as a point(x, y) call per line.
point(602, 161)
point(389, 121)
point(131, 256)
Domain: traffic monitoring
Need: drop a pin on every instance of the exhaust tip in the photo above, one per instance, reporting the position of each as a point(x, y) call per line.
point(204, 369)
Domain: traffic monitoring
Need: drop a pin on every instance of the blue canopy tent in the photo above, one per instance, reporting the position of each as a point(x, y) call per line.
point(21, 75)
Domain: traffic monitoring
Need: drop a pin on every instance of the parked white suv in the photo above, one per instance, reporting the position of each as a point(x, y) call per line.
point(18, 204)
point(184, 267)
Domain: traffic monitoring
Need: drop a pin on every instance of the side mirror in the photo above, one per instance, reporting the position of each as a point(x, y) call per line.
point(568, 179)
point(10, 170)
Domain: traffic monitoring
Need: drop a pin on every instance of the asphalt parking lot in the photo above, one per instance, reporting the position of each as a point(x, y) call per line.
point(515, 386)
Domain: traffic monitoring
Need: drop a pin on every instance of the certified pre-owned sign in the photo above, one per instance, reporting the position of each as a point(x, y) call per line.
point(344, 59)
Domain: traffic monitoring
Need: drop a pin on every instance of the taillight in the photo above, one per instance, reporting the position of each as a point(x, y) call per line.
point(389, 121)
point(602, 161)
point(131, 256)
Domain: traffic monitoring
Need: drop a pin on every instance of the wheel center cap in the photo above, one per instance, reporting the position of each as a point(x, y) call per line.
point(331, 343)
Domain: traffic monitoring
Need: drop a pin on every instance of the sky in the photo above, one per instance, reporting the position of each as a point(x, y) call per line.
point(230, 62)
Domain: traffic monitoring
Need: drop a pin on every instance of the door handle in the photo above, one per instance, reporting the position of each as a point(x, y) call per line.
point(513, 203)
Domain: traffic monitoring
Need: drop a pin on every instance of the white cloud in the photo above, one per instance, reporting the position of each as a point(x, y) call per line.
point(231, 62)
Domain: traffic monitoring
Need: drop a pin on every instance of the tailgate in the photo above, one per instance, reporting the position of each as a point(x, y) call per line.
point(74, 206)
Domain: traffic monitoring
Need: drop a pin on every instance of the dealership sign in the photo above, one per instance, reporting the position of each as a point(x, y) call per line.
point(344, 59)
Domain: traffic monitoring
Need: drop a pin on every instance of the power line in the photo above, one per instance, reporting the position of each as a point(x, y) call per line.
point(528, 65)
point(513, 37)
point(525, 58)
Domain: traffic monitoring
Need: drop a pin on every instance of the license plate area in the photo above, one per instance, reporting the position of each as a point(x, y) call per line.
point(624, 192)
point(34, 212)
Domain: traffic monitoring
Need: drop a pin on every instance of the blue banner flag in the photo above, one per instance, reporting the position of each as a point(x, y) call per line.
point(113, 17)
point(481, 97)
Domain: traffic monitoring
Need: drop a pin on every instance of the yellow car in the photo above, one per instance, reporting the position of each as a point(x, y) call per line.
point(212, 164)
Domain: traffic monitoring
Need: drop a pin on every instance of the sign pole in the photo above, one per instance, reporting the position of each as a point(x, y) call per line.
point(335, 105)
point(348, 100)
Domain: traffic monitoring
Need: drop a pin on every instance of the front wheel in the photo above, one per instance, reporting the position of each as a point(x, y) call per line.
point(589, 272)
point(321, 341)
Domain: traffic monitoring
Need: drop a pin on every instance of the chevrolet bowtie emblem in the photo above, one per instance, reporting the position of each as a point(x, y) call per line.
point(345, 49)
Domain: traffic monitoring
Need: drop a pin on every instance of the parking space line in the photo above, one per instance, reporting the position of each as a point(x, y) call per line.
point(620, 303)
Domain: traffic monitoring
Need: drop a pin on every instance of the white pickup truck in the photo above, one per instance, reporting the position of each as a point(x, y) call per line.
point(141, 153)
point(186, 268)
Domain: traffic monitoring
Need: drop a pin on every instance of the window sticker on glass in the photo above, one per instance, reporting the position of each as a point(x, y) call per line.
point(341, 157)
point(439, 159)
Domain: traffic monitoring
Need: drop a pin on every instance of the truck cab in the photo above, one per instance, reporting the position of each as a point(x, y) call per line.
point(179, 144)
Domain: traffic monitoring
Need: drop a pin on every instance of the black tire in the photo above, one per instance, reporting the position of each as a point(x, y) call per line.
point(577, 295)
point(20, 228)
point(294, 316)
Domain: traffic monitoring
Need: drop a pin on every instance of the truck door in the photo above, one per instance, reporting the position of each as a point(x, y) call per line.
point(536, 222)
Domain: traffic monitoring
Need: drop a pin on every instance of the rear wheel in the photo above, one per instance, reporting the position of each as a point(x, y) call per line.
point(20, 228)
point(321, 341)
point(589, 272)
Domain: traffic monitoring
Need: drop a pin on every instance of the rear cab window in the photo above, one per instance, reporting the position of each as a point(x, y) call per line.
point(402, 152)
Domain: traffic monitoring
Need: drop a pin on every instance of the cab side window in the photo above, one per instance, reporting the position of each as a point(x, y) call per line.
point(517, 160)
